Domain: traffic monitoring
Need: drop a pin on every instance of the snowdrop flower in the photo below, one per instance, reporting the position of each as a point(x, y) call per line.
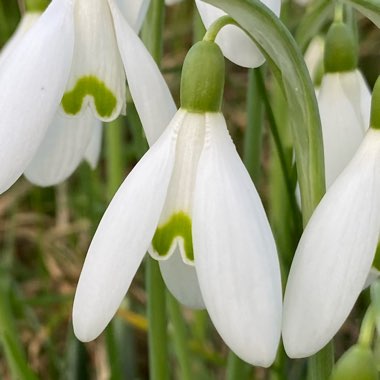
point(236, 45)
point(336, 250)
point(191, 196)
point(344, 101)
point(54, 62)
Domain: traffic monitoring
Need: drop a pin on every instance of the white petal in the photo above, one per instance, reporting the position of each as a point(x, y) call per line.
point(144, 79)
point(134, 12)
point(97, 77)
point(182, 281)
point(334, 255)
point(235, 253)
point(27, 21)
point(32, 81)
point(62, 149)
point(92, 153)
point(123, 237)
point(236, 45)
point(343, 125)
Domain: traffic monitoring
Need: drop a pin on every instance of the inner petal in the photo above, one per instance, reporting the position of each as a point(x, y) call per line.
point(97, 76)
point(175, 225)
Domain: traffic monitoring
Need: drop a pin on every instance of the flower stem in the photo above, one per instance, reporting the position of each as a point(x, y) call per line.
point(367, 329)
point(321, 364)
point(216, 27)
point(179, 338)
point(237, 369)
point(156, 301)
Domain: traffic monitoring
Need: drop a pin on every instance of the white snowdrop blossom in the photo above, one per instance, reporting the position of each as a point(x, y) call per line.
point(55, 93)
point(191, 203)
point(344, 101)
point(236, 45)
point(334, 256)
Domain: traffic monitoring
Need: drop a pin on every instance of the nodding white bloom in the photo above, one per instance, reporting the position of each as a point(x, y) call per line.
point(236, 45)
point(336, 251)
point(54, 93)
point(344, 101)
point(191, 202)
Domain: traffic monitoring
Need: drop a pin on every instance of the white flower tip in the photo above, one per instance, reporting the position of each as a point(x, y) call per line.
point(86, 328)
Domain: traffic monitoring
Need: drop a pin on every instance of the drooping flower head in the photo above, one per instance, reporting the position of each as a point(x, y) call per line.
point(344, 101)
point(65, 75)
point(191, 203)
point(336, 251)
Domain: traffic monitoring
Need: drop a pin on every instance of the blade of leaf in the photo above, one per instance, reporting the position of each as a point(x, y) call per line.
point(369, 8)
point(286, 62)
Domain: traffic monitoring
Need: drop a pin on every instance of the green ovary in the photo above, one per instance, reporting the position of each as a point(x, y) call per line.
point(179, 225)
point(105, 100)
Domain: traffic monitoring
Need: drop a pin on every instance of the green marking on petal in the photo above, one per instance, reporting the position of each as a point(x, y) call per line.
point(179, 225)
point(105, 100)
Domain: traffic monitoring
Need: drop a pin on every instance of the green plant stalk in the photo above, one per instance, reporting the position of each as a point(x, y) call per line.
point(156, 292)
point(367, 329)
point(115, 167)
point(237, 369)
point(180, 338)
point(320, 365)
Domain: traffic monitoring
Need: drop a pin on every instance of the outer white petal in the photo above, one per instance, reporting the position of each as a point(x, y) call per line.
point(144, 79)
point(62, 149)
point(343, 125)
point(134, 11)
point(234, 42)
point(235, 253)
point(32, 81)
point(314, 56)
point(334, 255)
point(182, 281)
point(123, 237)
point(92, 153)
point(27, 21)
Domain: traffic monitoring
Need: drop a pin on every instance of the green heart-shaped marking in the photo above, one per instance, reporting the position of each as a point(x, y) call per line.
point(105, 101)
point(179, 225)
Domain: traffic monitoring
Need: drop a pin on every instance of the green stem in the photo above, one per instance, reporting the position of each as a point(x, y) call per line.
point(237, 369)
point(180, 338)
point(157, 334)
point(216, 27)
point(367, 329)
point(115, 167)
point(320, 365)
point(290, 188)
point(156, 293)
